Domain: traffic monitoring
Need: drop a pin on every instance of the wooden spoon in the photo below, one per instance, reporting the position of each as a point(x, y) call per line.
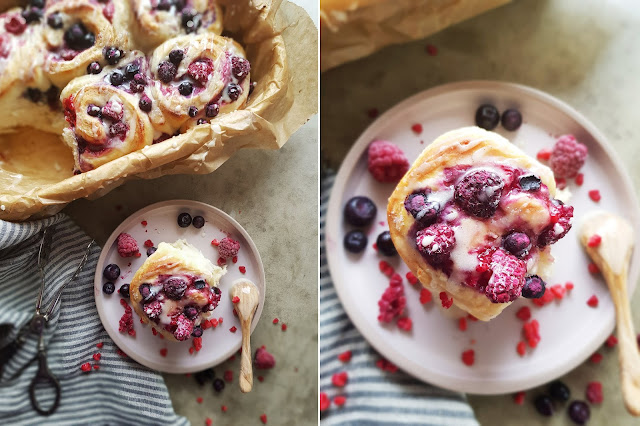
point(248, 294)
point(612, 258)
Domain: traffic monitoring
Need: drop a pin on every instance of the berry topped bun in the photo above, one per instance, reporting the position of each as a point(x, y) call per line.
point(475, 217)
point(176, 289)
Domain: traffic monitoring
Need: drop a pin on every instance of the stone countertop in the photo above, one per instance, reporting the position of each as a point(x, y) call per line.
point(583, 52)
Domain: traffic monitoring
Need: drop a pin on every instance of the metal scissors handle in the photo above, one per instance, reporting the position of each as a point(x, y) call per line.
point(43, 376)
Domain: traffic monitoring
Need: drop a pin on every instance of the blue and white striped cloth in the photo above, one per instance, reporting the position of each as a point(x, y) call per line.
point(121, 392)
point(373, 396)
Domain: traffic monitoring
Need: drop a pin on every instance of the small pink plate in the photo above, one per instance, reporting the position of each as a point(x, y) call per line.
point(218, 343)
point(570, 330)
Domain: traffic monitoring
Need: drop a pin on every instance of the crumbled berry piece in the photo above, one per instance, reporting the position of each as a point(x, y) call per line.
point(594, 240)
point(392, 302)
point(228, 376)
point(260, 379)
point(544, 154)
point(462, 324)
point(99, 345)
point(263, 360)
point(417, 128)
point(521, 348)
point(595, 195)
point(85, 367)
point(283, 327)
point(275, 320)
point(235, 299)
point(127, 245)
point(143, 223)
point(412, 278)
point(340, 379)
point(97, 356)
point(385, 268)
point(386, 161)
point(593, 268)
point(518, 398)
point(472, 318)
point(325, 402)
point(339, 400)
point(405, 323)
point(524, 313)
point(431, 50)
point(242, 269)
point(345, 356)
point(594, 392)
point(569, 286)
point(611, 341)
point(199, 400)
point(546, 298)
point(208, 421)
point(126, 321)
point(567, 157)
point(507, 280)
point(148, 243)
point(596, 358)
point(579, 179)
point(436, 243)
point(425, 296)
point(561, 183)
point(531, 332)
point(468, 357)
point(163, 352)
point(197, 343)
point(557, 290)
point(593, 301)
point(445, 300)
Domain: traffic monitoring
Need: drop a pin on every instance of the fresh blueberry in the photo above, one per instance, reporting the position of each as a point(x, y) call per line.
point(124, 291)
point(112, 54)
point(423, 210)
point(176, 56)
point(355, 241)
point(530, 183)
point(511, 119)
point(184, 220)
point(55, 21)
point(145, 103)
point(193, 111)
point(108, 287)
point(487, 117)
point(579, 412)
point(145, 291)
point(166, 71)
point(94, 68)
point(234, 91)
point(544, 405)
point(185, 88)
point(78, 37)
point(218, 385)
point(216, 290)
point(131, 70)
point(174, 288)
point(517, 243)
point(197, 331)
point(111, 272)
point(198, 222)
point(93, 110)
point(33, 94)
point(360, 211)
point(533, 287)
point(212, 110)
point(205, 375)
point(190, 312)
point(116, 78)
point(559, 391)
point(199, 284)
point(32, 14)
point(385, 244)
point(151, 250)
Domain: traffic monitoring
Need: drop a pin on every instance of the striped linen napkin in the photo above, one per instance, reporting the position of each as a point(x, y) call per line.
point(372, 396)
point(121, 391)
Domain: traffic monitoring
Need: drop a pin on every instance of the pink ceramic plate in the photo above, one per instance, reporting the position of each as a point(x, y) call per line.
point(218, 343)
point(570, 330)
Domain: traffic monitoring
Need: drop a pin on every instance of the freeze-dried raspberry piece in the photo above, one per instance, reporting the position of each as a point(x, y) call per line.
point(524, 313)
point(611, 341)
point(345, 356)
point(593, 301)
point(325, 402)
point(412, 278)
point(340, 379)
point(425, 296)
point(392, 302)
point(594, 392)
point(386, 162)
point(339, 400)
point(386, 365)
point(228, 247)
point(558, 291)
point(531, 332)
point(468, 357)
point(594, 240)
point(445, 300)
point(593, 268)
point(596, 358)
point(507, 279)
point(521, 348)
point(462, 324)
point(405, 323)
point(518, 398)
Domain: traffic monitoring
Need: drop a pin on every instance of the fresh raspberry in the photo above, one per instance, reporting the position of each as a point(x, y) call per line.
point(228, 247)
point(340, 379)
point(445, 300)
point(596, 358)
point(593, 301)
point(345, 356)
point(436, 243)
point(524, 313)
point(507, 279)
point(85, 367)
point(200, 71)
point(531, 332)
point(567, 157)
point(558, 291)
point(518, 398)
point(425, 296)
point(127, 245)
point(594, 392)
point(593, 268)
point(339, 400)
point(478, 193)
point(468, 357)
point(263, 360)
point(386, 162)
point(392, 302)
point(611, 341)
point(521, 348)
point(184, 328)
point(594, 240)
point(405, 323)
point(412, 278)
point(594, 194)
point(561, 216)
point(462, 324)
point(544, 154)
point(325, 402)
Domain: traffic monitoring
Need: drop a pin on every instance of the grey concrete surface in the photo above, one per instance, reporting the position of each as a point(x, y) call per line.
point(585, 52)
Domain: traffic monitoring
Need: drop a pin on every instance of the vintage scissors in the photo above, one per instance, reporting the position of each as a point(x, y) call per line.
point(44, 376)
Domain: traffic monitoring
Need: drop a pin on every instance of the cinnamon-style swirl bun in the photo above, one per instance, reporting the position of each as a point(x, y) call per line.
point(199, 77)
point(159, 20)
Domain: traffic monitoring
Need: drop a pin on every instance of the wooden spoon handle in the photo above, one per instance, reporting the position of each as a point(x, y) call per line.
point(246, 367)
point(629, 358)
